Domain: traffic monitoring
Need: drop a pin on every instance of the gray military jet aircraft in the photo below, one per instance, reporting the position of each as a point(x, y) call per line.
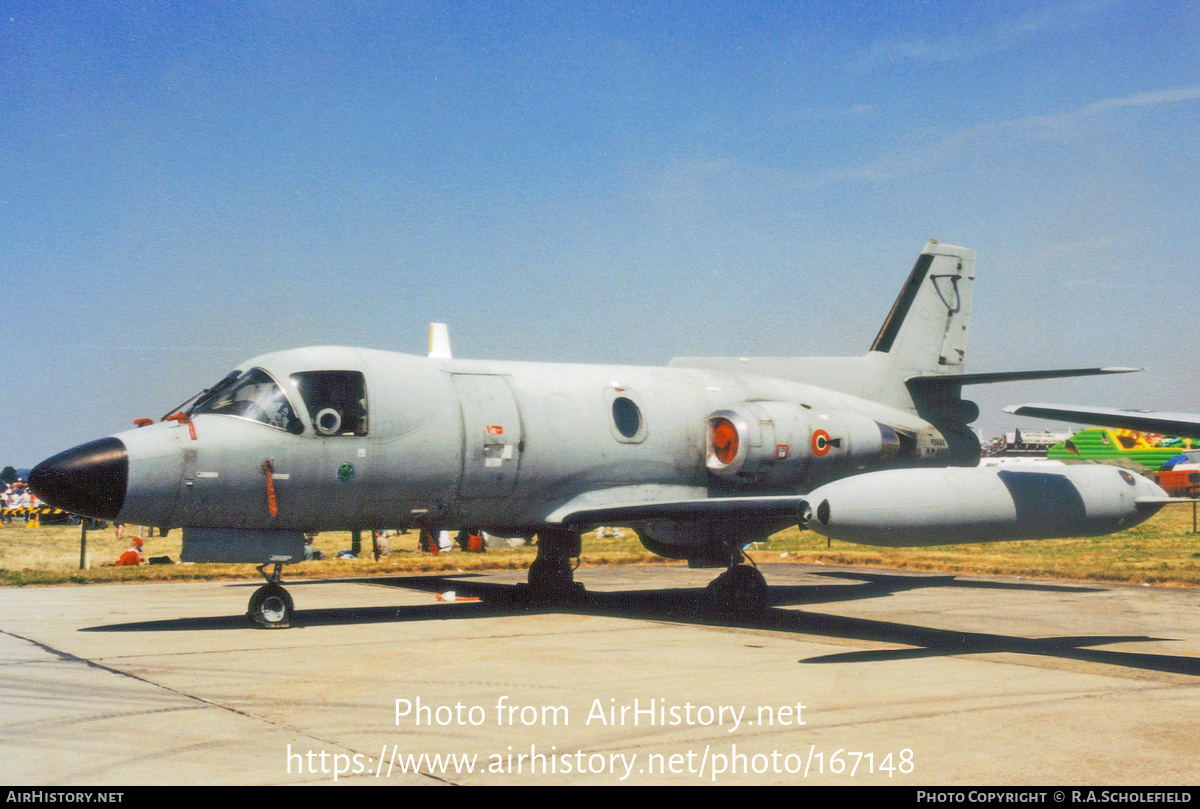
point(701, 457)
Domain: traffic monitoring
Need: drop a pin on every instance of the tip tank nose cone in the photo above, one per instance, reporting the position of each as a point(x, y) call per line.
point(89, 479)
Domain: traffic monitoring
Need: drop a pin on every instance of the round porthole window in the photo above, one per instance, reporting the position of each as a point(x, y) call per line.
point(626, 416)
point(328, 421)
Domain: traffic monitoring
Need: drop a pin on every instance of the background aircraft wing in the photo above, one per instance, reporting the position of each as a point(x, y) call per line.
point(1183, 425)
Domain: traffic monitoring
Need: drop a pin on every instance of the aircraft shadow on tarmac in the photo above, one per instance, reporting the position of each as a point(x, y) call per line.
point(682, 605)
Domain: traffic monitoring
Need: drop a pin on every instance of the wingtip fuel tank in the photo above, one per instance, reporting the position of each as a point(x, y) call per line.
point(945, 506)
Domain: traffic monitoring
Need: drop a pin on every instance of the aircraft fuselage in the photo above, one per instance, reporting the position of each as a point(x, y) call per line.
point(498, 445)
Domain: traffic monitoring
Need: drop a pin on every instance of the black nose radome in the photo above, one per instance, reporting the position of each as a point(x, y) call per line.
point(89, 479)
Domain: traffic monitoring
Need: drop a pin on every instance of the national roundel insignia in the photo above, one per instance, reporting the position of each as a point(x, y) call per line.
point(820, 442)
point(345, 472)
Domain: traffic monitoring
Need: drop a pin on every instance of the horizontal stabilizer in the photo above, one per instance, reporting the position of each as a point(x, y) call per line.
point(1014, 376)
point(1184, 425)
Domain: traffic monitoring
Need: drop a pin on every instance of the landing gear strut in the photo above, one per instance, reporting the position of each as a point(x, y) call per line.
point(740, 592)
point(551, 575)
point(271, 606)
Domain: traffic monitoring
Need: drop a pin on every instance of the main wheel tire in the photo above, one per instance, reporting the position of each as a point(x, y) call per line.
point(271, 607)
point(717, 601)
point(550, 574)
point(551, 579)
point(739, 593)
point(749, 592)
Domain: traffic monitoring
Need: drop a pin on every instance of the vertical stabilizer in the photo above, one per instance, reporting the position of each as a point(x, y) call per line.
point(926, 330)
point(924, 336)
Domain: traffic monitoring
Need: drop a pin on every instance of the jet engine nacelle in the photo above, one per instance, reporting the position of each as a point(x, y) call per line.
point(909, 507)
point(771, 442)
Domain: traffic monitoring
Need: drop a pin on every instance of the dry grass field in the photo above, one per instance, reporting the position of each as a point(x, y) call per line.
point(1162, 551)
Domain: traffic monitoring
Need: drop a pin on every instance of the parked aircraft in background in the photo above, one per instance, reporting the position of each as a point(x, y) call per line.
point(701, 457)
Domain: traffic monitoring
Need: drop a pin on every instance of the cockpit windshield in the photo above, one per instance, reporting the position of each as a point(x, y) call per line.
point(250, 395)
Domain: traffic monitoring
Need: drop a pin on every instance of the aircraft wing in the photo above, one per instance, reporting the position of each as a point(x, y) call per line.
point(1184, 425)
point(711, 508)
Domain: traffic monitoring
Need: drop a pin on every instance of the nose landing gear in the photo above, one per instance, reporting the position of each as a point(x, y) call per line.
point(271, 606)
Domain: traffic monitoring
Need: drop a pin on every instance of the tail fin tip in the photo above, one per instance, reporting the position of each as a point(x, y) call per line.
point(926, 329)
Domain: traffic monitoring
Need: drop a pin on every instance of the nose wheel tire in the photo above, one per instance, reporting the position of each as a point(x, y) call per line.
point(271, 607)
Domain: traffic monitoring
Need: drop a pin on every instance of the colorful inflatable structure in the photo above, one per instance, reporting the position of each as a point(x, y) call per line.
point(1101, 444)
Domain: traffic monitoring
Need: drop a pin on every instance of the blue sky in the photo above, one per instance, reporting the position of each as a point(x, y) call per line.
point(186, 185)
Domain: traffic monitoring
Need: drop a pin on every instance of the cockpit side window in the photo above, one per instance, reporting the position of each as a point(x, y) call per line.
point(336, 401)
point(252, 395)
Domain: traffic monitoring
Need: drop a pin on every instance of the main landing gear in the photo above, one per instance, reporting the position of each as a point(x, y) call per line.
point(740, 592)
point(271, 605)
point(551, 575)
